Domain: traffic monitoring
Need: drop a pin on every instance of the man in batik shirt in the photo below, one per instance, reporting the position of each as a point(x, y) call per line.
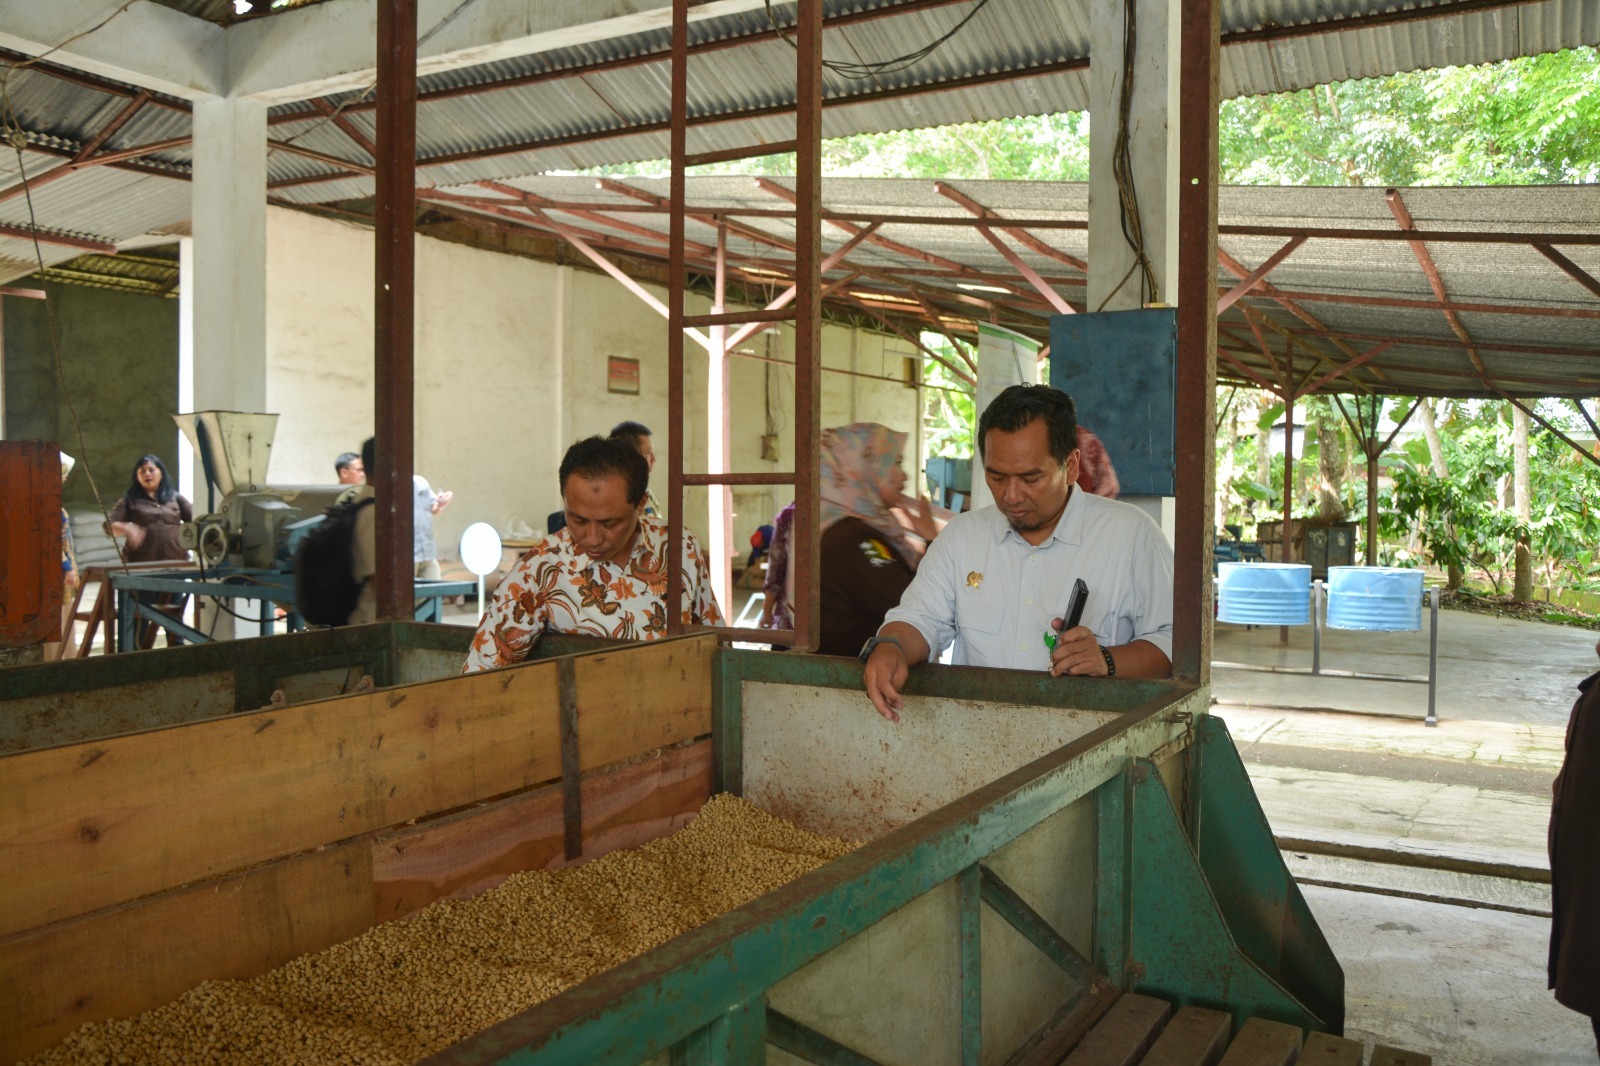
point(604, 575)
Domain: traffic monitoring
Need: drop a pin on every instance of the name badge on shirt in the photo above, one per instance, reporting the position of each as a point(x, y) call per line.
point(974, 580)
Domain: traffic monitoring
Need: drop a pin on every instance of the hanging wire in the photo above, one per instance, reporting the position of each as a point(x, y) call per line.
point(861, 71)
point(1122, 170)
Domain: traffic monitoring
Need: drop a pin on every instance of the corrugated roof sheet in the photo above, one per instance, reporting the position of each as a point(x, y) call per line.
point(1348, 286)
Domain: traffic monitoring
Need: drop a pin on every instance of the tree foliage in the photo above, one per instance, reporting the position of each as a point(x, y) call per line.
point(1533, 120)
point(1524, 121)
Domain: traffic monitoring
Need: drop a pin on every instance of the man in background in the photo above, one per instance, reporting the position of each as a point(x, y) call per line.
point(637, 434)
point(350, 469)
point(604, 574)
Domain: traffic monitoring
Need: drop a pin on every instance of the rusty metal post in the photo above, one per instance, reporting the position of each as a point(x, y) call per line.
point(719, 435)
point(675, 285)
point(395, 273)
point(806, 555)
point(1288, 464)
point(1373, 449)
point(1196, 375)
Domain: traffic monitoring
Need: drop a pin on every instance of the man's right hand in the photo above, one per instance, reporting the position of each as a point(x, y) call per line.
point(884, 676)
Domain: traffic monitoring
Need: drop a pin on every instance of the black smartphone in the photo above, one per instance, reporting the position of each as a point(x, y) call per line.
point(1074, 614)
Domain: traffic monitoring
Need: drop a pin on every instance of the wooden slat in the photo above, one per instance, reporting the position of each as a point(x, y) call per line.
point(1194, 1037)
point(1124, 1034)
point(1263, 1043)
point(671, 677)
point(1323, 1049)
point(95, 824)
point(464, 854)
point(1063, 1034)
point(132, 958)
point(1384, 1055)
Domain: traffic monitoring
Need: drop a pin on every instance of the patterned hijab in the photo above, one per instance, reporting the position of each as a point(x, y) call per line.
point(855, 458)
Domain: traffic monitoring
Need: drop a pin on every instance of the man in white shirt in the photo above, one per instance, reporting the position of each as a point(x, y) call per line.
point(997, 580)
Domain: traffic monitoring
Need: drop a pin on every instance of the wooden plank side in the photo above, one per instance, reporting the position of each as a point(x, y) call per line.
point(1323, 1049)
point(467, 853)
point(106, 821)
point(133, 958)
point(1263, 1043)
point(642, 697)
point(1194, 1037)
point(1124, 1034)
point(1384, 1055)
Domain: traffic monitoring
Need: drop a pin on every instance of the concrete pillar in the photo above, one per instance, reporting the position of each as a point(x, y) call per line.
point(186, 463)
point(1153, 170)
point(229, 305)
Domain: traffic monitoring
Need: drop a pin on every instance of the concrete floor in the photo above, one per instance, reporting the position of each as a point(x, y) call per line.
point(1490, 669)
point(1450, 962)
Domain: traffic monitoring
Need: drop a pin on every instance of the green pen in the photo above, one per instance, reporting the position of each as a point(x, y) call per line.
point(1073, 615)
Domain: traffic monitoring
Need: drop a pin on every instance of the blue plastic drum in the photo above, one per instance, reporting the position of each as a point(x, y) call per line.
point(1264, 594)
point(1380, 598)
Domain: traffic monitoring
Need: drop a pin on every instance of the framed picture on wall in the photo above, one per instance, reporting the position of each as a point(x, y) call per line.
point(622, 374)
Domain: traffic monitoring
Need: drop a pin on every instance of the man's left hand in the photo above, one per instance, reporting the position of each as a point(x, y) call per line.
point(1077, 653)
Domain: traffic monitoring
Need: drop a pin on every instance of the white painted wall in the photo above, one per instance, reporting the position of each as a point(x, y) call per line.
point(511, 368)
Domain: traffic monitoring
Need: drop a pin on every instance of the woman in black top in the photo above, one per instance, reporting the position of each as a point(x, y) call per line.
point(150, 513)
point(148, 517)
point(868, 553)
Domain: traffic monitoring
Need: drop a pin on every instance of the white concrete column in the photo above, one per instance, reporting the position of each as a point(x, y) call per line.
point(1152, 148)
point(229, 305)
point(1153, 155)
point(186, 484)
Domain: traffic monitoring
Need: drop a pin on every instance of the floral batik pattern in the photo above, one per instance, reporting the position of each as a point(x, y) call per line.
point(557, 587)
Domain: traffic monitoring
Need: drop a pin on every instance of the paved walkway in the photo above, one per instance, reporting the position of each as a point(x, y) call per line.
point(1490, 669)
point(1421, 850)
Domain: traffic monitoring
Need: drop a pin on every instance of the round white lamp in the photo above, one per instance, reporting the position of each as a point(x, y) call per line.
point(480, 553)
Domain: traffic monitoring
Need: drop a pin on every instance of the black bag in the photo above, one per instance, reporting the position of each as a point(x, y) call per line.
point(325, 585)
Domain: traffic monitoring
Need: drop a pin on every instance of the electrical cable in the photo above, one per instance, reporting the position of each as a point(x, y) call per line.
point(862, 71)
point(1122, 169)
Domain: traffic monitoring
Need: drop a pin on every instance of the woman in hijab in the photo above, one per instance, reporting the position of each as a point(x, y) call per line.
point(868, 554)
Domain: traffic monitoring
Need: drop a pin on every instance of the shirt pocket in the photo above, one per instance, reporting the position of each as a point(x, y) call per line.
point(980, 610)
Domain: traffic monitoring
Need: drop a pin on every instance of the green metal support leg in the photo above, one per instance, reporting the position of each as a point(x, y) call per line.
point(970, 882)
point(736, 1038)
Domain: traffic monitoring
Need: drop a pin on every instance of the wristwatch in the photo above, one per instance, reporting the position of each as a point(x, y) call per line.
point(874, 641)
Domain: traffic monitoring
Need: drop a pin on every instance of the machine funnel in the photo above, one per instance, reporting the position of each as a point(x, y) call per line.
point(234, 446)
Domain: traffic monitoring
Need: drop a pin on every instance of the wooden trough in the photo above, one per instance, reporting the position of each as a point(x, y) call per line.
point(1030, 842)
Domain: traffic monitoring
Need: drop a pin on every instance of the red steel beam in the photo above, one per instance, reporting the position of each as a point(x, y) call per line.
point(1042, 287)
point(394, 302)
point(1269, 290)
point(1435, 305)
point(1196, 373)
point(23, 61)
point(1397, 207)
point(961, 269)
point(1340, 371)
point(1021, 234)
point(1531, 413)
point(1577, 273)
point(62, 240)
point(1255, 276)
point(350, 129)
